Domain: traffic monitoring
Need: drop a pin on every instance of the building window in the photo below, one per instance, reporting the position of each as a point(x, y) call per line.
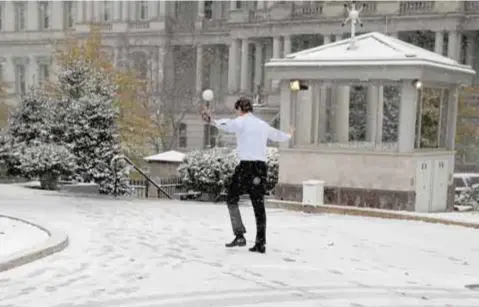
point(20, 79)
point(107, 11)
point(20, 11)
point(182, 136)
point(210, 135)
point(142, 10)
point(44, 15)
point(43, 72)
point(209, 9)
point(69, 14)
point(241, 4)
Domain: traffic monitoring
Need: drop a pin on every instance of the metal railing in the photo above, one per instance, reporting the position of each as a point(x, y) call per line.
point(159, 188)
point(308, 11)
point(139, 24)
point(471, 6)
point(172, 186)
point(416, 7)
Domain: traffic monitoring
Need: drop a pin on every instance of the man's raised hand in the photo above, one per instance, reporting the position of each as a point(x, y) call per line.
point(291, 130)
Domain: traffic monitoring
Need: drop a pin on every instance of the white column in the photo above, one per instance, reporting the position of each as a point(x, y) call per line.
point(9, 74)
point(322, 115)
point(304, 114)
point(285, 111)
point(258, 66)
point(453, 45)
point(98, 9)
point(326, 39)
point(341, 120)
point(162, 9)
point(287, 45)
point(276, 55)
point(270, 3)
point(80, 10)
point(380, 115)
point(57, 15)
point(201, 9)
point(160, 66)
point(407, 117)
point(244, 84)
point(233, 66)
point(199, 70)
point(125, 11)
point(371, 113)
point(116, 10)
point(471, 44)
point(153, 9)
point(451, 118)
point(261, 4)
point(232, 5)
point(132, 10)
point(32, 15)
point(439, 43)
point(9, 16)
point(32, 71)
point(89, 11)
point(341, 114)
point(215, 72)
point(276, 47)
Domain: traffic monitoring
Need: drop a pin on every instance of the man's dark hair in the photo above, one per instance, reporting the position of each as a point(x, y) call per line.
point(244, 104)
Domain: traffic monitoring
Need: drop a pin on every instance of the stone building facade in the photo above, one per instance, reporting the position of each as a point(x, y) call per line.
point(189, 46)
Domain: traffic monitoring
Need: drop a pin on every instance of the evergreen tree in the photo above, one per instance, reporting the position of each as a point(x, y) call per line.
point(30, 149)
point(88, 125)
point(29, 126)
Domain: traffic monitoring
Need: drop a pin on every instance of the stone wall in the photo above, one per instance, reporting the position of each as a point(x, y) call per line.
point(370, 198)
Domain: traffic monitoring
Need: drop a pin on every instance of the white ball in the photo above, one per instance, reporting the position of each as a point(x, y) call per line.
point(208, 95)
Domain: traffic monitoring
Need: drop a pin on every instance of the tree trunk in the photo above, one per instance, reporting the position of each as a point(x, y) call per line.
point(49, 181)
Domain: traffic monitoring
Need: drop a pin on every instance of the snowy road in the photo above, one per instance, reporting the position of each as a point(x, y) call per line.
point(151, 254)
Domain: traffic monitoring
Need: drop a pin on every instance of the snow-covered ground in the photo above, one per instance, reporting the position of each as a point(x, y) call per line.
point(466, 217)
point(167, 253)
point(16, 236)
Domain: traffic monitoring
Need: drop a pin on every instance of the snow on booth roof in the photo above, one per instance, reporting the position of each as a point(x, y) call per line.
point(370, 49)
point(167, 156)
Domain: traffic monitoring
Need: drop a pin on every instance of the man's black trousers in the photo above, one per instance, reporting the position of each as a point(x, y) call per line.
point(249, 177)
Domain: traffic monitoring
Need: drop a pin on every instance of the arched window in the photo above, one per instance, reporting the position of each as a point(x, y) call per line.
point(183, 135)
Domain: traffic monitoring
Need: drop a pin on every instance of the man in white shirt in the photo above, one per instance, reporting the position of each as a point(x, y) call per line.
point(250, 175)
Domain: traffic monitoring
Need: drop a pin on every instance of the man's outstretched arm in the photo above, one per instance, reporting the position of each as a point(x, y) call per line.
point(278, 135)
point(228, 125)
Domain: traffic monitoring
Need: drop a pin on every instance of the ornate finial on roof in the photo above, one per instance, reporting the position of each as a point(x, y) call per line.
point(353, 16)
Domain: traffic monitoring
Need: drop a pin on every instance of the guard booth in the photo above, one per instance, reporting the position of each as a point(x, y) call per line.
point(402, 157)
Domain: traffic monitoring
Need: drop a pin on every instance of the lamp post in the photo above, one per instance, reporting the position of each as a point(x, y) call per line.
point(208, 96)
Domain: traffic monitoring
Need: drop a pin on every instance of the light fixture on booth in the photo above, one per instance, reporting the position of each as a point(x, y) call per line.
point(298, 85)
point(294, 86)
point(417, 84)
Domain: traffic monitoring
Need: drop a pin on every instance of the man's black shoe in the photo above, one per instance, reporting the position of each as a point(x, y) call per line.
point(238, 241)
point(257, 248)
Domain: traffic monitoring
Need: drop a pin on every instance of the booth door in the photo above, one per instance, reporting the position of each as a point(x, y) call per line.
point(439, 186)
point(423, 186)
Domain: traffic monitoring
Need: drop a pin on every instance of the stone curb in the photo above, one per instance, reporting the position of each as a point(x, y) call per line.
point(56, 242)
point(370, 212)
